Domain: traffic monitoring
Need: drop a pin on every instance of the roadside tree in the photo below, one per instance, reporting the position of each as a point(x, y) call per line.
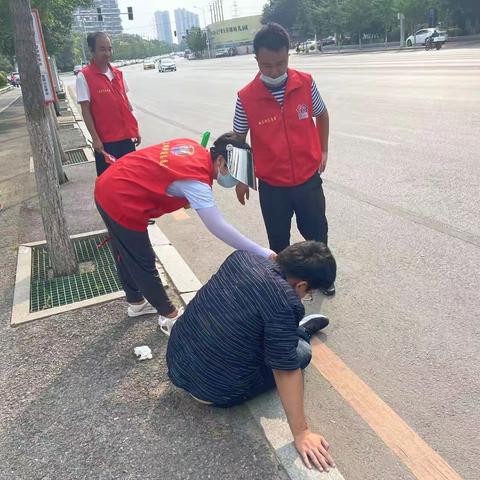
point(60, 248)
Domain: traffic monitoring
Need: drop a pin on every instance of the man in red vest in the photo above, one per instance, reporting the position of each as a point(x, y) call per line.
point(160, 179)
point(102, 94)
point(290, 148)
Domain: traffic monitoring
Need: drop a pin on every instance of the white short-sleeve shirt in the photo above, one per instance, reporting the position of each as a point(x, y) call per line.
point(83, 92)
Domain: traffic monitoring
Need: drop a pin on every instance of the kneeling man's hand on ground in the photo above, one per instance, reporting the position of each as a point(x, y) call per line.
point(313, 449)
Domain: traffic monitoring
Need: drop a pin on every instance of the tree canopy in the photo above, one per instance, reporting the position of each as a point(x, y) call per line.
point(197, 40)
point(56, 17)
point(304, 18)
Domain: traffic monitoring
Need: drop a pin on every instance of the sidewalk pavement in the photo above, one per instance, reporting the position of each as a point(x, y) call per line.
point(75, 402)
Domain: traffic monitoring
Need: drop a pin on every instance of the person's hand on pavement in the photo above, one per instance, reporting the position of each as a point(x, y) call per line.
point(97, 145)
point(313, 449)
point(137, 141)
point(323, 164)
point(243, 192)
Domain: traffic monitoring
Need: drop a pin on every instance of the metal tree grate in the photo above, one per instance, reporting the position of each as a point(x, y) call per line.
point(66, 126)
point(97, 275)
point(75, 157)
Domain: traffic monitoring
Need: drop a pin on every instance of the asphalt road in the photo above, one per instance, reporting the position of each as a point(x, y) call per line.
point(402, 188)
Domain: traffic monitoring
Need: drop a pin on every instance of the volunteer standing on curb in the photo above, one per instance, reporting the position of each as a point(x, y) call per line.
point(290, 148)
point(160, 179)
point(106, 110)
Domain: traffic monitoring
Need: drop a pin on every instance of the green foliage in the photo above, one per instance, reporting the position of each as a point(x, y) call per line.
point(197, 40)
point(3, 79)
point(126, 47)
point(56, 17)
point(304, 18)
point(6, 65)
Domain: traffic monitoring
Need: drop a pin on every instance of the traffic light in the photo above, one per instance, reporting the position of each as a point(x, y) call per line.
point(186, 33)
point(174, 33)
point(99, 14)
point(130, 13)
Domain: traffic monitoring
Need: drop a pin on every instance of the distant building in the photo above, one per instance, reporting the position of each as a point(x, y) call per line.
point(237, 33)
point(86, 21)
point(185, 20)
point(164, 30)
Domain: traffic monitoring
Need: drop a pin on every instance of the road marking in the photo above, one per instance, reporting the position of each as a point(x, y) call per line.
point(368, 139)
point(13, 101)
point(180, 215)
point(413, 451)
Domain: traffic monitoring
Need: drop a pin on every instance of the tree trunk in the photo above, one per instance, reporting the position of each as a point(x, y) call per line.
point(59, 154)
point(60, 248)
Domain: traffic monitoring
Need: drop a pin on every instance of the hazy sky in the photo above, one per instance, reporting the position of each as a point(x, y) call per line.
point(144, 23)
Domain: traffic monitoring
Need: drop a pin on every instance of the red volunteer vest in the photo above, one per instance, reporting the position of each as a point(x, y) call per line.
point(109, 105)
point(285, 143)
point(134, 188)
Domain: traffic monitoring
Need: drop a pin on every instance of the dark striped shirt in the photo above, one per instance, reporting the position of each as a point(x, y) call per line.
point(240, 121)
point(243, 320)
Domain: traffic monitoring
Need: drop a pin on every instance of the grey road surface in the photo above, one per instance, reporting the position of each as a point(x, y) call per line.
point(403, 191)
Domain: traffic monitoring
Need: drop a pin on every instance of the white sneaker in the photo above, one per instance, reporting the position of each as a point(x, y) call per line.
point(135, 310)
point(166, 324)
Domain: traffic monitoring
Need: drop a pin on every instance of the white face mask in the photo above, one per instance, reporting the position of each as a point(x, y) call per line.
point(274, 82)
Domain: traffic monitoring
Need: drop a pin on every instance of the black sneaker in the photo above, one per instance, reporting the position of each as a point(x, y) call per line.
point(313, 323)
point(329, 292)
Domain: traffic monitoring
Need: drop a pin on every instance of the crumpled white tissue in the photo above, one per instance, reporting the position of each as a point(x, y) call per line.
point(143, 352)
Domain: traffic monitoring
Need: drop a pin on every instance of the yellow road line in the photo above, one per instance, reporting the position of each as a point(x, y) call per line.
point(413, 451)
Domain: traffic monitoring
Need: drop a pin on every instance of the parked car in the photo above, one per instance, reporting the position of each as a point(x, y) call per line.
point(191, 56)
point(148, 65)
point(420, 37)
point(329, 40)
point(167, 65)
point(221, 52)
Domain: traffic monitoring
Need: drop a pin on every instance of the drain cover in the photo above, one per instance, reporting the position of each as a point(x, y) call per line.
point(97, 275)
point(74, 157)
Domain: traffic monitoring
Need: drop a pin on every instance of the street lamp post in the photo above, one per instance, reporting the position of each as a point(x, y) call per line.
point(202, 9)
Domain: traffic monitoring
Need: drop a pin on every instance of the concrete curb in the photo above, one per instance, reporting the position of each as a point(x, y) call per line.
point(266, 409)
point(77, 115)
point(6, 89)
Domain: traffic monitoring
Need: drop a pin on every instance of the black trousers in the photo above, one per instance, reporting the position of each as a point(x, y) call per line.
point(278, 205)
point(135, 260)
point(117, 149)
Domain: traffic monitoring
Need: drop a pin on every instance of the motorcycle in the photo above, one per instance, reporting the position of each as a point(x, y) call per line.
point(433, 43)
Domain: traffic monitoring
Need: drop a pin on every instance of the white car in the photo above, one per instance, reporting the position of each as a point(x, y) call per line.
point(149, 65)
point(421, 36)
point(167, 65)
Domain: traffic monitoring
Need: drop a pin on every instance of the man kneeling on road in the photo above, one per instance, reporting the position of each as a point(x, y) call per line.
point(245, 332)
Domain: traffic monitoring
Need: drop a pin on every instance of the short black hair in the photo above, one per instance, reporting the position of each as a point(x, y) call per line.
point(229, 138)
point(92, 39)
point(271, 36)
point(311, 262)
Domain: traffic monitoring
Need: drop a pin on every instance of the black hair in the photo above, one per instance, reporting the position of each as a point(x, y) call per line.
point(311, 262)
point(271, 36)
point(229, 138)
point(92, 39)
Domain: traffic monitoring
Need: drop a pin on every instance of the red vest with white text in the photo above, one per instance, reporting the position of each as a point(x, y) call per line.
point(134, 188)
point(109, 105)
point(285, 141)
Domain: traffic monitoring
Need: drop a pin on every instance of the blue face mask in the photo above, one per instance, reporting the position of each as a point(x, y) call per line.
point(274, 82)
point(226, 181)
